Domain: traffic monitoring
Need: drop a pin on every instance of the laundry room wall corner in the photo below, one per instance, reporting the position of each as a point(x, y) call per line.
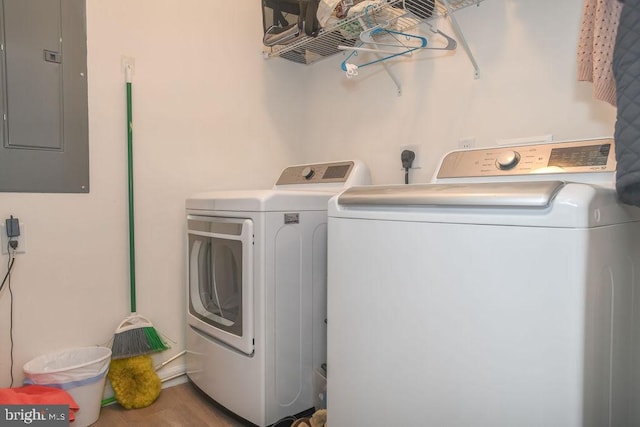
point(203, 119)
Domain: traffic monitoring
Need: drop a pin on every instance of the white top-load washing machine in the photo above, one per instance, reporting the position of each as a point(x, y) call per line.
point(256, 315)
point(504, 293)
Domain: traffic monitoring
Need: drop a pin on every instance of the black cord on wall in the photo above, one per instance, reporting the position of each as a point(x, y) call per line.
point(6, 276)
point(7, 280)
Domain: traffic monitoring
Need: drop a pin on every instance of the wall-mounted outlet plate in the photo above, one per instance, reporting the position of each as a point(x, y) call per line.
point(467, 143)
point(22, 242)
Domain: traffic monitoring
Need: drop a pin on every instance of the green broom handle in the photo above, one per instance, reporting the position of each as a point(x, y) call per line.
point(132, 257)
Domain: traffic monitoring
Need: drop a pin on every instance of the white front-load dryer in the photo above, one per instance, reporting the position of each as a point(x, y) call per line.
point(256, 315)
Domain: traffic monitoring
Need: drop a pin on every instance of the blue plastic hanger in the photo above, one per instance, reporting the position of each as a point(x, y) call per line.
point(367, 37)
point(384, 58)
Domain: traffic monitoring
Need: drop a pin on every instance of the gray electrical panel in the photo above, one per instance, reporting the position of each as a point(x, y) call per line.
point(43, 97)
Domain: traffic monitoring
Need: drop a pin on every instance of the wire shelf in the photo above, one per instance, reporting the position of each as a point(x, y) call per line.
point(405, 14)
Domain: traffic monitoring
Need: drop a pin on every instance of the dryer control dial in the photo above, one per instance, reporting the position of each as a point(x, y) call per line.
point(507, 160)
point(307, 172)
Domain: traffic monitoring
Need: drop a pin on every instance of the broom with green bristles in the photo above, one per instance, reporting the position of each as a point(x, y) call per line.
point(135, 335)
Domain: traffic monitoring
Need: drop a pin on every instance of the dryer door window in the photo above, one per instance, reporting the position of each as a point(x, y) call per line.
point(220, 278)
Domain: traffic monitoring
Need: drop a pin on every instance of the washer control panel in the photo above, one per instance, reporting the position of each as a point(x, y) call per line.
point(316, 173)
point(596, 155)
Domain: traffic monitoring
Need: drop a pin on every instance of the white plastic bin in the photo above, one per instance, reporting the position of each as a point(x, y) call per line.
point(79, 371)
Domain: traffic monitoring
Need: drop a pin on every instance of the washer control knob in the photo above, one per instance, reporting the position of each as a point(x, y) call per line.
point(507, 160)
point(308, 172)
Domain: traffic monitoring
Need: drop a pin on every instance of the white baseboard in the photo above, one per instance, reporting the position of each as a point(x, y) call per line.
point(173, 376)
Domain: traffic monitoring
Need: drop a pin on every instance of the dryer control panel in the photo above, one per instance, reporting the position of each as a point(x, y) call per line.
point(316, 173)
point(596, 155)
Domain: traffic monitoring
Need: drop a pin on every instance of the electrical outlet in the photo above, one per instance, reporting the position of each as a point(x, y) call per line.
point(417, 162)
point(467, 143)
point(22, 242)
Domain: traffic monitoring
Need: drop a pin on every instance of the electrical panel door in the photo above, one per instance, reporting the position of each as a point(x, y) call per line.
point(45, 119)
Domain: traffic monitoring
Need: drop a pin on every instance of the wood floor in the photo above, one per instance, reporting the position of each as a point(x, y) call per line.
point(181, 405)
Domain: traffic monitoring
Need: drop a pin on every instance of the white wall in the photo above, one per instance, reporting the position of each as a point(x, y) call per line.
point(526, 51)
point(210, 112)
